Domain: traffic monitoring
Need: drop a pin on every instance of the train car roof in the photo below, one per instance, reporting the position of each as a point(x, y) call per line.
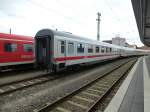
point(47, 32)
point(16, 37)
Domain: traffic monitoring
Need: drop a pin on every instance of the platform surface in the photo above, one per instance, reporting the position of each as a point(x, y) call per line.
point(134, 93)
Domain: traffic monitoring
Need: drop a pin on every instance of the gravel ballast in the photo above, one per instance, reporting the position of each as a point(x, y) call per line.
point(35, 97)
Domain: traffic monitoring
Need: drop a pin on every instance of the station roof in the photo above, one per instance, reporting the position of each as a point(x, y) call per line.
point(142, 14)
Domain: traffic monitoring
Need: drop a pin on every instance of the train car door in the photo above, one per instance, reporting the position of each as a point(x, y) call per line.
point(43, 49)
point(61, 55)
point(61, 49)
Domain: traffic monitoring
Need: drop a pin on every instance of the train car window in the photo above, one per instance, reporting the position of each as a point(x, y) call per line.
point(10, 47)
point(107, 49)
point(70, 48)
point(90, 49)
point(80, 48)
point(97, 49)
point(102, 49)
point(27, 47)
point(62, 47)
point(110, 49)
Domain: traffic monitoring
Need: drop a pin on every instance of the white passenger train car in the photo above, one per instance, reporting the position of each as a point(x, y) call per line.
point(56, 50)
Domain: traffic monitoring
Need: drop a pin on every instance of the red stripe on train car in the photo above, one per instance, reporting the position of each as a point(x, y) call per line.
point(69, 58)
point(95, 56)
point(80, 57)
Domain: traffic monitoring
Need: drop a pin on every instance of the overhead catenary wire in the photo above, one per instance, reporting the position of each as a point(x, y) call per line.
point(48, 9)
point(73, 21)
point(118, 20)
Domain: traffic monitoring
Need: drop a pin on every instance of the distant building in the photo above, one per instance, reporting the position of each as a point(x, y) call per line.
point(122, 42)
point(119, 41)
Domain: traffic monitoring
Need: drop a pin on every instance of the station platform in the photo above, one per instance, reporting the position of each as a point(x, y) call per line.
point(134, 93)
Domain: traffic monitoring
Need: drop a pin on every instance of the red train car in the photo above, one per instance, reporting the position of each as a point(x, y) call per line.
point(15, 50)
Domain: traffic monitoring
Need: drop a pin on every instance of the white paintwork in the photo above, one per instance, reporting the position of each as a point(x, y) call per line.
point(67, 37)
point(85, 60)
point(57, 53)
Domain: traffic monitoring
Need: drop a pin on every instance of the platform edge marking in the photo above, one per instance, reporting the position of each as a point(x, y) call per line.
point(115, 103)
point(146, 87)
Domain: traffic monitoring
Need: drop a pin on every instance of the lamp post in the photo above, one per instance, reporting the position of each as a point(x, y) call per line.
point(98, 26)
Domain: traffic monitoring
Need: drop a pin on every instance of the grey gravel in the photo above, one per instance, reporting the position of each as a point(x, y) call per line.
point(22, 76)
point(36, 97)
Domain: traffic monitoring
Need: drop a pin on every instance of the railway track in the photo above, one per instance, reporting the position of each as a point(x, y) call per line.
point(86, 98)
point(25, 83)
point(22, 84)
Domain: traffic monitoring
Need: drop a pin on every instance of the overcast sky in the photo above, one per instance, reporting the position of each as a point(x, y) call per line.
point(26, 17)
